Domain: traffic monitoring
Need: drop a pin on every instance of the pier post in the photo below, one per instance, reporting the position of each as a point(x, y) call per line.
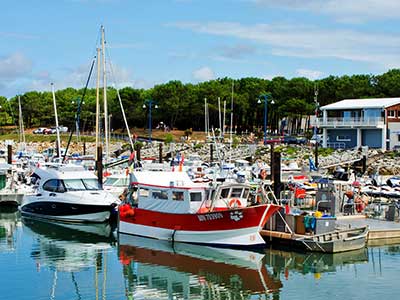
point(277, 174)
point(160, 153)
point(84, 148)
point(99, 165)
point(364, 164)
point(211, 153)
point(316, 153)
point(9, 154)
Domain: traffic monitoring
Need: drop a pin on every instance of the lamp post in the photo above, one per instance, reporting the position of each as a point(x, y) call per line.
point(264, 98)
point(149, 103)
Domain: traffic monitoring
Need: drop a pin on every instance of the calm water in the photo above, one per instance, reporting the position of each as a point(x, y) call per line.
point(40, 260)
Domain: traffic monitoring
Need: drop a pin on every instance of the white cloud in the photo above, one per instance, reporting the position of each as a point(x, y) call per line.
point(310, 42)
point(14, 66)
point(203, 74)
point(310, 74)
point(342, 10)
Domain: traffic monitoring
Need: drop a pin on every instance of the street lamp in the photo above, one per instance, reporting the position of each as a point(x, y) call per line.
point(264, 98)
point(149, 103)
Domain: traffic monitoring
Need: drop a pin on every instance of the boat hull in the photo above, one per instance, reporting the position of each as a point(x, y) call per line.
point(237, 227)
point(67, 212)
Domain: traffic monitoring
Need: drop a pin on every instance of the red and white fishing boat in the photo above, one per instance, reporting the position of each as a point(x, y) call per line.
point(169, 206)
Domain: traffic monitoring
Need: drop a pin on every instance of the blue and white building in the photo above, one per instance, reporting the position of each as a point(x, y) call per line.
point(361, 122)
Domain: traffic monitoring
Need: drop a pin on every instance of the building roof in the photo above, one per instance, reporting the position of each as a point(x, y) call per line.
point(362, 103)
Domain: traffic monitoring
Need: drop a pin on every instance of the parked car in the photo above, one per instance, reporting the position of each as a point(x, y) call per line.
point(274, 140)
point(48, 131)
point(287, 139)
point(39, 130)
point(62, 129)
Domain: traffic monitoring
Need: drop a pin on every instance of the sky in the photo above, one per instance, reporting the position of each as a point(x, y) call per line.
point(154, 41)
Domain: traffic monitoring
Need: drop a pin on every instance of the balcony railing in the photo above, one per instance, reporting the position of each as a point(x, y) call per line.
point(349, 122)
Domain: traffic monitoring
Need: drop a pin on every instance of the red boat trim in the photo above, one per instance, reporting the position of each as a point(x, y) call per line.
point(254, 216)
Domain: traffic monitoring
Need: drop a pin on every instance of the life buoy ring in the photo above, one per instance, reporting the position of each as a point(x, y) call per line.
point(235, 203)
point(263, 174)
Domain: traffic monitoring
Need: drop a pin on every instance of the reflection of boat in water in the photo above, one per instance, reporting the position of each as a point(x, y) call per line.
point(68, 247)
point(178, 268)
point(313, 262)
point(8, 223)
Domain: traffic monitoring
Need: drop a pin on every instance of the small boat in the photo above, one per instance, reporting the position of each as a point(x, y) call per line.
point(336, 241)
point(169, 206)
point(68, 193)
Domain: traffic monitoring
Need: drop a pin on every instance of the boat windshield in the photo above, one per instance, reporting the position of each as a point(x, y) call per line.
point(117, 181)
point(81, 184)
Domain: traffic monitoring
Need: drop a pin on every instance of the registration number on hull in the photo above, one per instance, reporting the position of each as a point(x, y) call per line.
point(210, 217)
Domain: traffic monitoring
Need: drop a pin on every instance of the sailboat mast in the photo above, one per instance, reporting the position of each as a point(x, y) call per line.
point(205, 117)
point(105, 94)
point(98, 98)
point(21, 123)
point(233, 83)
point(223, 122)
point(219, 114)
point(56, 116)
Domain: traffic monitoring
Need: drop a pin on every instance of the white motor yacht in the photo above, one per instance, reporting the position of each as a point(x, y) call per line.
point(68, 193)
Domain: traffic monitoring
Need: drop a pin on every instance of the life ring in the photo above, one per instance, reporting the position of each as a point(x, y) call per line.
point(235, 203)
point(263, 174)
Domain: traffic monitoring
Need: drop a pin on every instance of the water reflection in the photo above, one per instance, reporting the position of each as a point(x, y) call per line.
point(69, 261)
point(283, 263)
point(165, 270)
point(9, 221)
point(68, 246)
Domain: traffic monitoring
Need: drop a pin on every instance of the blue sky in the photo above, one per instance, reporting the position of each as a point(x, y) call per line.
point(155, 41)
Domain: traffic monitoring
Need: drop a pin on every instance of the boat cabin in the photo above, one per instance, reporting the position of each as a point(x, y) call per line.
point(175, 192)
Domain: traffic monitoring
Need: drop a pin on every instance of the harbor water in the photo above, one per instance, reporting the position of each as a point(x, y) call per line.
point(47, 260)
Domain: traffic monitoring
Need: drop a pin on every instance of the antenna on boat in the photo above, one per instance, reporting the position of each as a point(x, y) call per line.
point(56, 117)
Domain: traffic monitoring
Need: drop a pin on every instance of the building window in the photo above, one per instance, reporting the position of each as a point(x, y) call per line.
point(343, 138)
point(391, 113)
point(398, 113)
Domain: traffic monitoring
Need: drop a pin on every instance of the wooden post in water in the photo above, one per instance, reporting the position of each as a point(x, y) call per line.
point(9, 154)
point(99, 165)
point(160, 153)
point(84, 148)
point(277, 175)
point(364, 164)
point(211, 153)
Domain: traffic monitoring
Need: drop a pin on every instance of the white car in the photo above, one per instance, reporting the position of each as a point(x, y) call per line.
point(40, 130)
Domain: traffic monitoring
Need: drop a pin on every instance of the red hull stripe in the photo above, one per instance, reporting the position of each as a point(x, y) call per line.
point(220, 220)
